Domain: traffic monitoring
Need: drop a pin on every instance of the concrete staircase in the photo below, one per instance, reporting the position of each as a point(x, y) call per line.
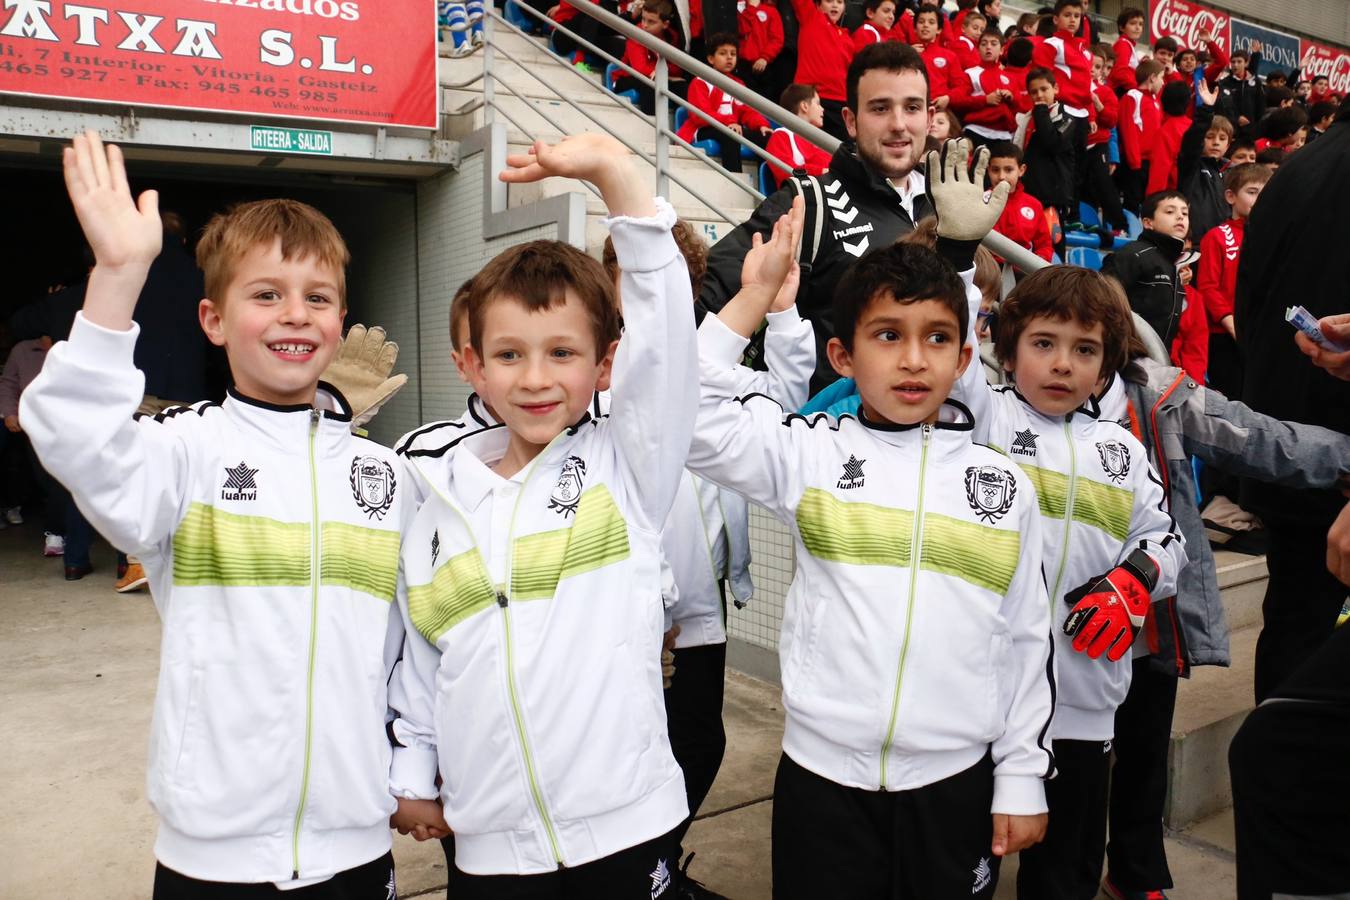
point(1213, 702)
point(538, 102)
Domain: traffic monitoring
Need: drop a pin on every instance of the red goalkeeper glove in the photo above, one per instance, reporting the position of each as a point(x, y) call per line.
point(1108, 612)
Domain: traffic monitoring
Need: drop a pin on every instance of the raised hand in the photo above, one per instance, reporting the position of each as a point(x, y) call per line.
point(120, 231)
point(594, 157)
point(957, 192)
point(768, 263)
point(1207, 94)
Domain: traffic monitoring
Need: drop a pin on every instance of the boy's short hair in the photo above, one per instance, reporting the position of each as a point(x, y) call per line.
point(1045, 27)
point(1061, 4)
point(1155, 199)
point(537, 275)
point(1104, 51)
point(1005, 150)
point(974, 16)
point(1271, 156)
point(891, 56)
point(1068, 293)
point(1185, 52)
point(988, 275)
point(905, 272)
point(302, 229)
point(663, 9)
point(1240, 54)
point(459, 313)
point(874, 5)
point(1222, 125)
point(720, 39)
point(1238, 177)
point(1321, 109)
point(1128, 14)
point(1317, 78)
point(1175, 97)
point(1277, 94)
point(794, 95)
point(1165, 43)
point(1241, 143)
point(1146, 70)
point(1020, 51)
point(1283, 122)
point(992, 34)
point(1041, 74)
point(928, 8)
point(691, 246)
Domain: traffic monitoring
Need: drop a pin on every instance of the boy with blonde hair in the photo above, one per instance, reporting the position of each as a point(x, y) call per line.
point(270, 535)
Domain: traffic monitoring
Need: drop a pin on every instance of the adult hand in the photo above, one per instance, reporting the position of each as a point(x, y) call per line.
point(760, 65)
point(1338, 547)
point(1335, 328)
point(12, 423)
point(942, 102)
point(1243, 121)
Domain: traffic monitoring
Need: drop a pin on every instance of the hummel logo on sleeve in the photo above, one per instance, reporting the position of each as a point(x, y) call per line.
point(1024, 444)
point(239, 483)
point(853, 474)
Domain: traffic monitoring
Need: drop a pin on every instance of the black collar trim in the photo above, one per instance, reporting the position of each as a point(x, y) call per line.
point(967, 425)
point(297, 407)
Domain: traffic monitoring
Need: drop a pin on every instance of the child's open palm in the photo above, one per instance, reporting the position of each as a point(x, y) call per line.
point(121, 232)
point(588, 157)
point(768, 263)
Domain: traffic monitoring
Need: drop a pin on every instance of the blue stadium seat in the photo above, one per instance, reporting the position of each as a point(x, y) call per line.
point(1082, 239)
point(708, 146)
point(612, 71)
point(1134, 226)
point(1087, 257)
point(1088, 215)
point(765, 179)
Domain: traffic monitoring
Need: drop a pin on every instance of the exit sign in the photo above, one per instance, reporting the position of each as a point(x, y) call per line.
point(291, 140)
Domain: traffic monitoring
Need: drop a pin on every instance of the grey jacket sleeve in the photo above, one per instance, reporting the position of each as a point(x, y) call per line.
point(1231, 436)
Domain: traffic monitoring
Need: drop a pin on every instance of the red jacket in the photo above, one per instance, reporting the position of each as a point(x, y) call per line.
point(1023, 222)
point(761, 31)
point(1071, 61)
point(1128, 57)
point(970, 100)
point(1163, 152)
point(903, 29)
point(944, 70)
point(644, 60)
point(1220, 249)
point(716, 104)
point(824, 51)
point(1139, 118)
point(1190, 348)
point(1018, 76)
point(797, 150)
point(867, 33)
point(1106, 117)
point(966, 51)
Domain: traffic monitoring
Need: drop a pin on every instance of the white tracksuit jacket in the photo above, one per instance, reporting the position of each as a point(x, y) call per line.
point(1099, 500)
point(707, 535)
point(270, 536)
point(531, 670)
point(895, 675)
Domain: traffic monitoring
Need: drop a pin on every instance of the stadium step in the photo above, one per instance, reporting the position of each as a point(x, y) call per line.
point(1213, 702)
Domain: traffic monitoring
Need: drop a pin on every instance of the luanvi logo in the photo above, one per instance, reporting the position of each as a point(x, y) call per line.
point(239, 483)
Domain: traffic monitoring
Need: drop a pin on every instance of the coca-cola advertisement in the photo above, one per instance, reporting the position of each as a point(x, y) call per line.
point(1187, 23)
point(1333, 62)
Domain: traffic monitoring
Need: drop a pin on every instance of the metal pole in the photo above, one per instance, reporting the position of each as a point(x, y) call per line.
point(662, 117)
point(489, 36)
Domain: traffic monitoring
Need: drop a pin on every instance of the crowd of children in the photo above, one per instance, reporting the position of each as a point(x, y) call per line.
point(468, 638)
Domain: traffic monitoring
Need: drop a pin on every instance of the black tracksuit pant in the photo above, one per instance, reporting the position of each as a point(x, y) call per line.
point(371, 881)
point(1291, 781)
point(930, 843)
point(643, 872)
point(1136, 858)
point(1067, 865)
point(694, 720)
point(1301, 603)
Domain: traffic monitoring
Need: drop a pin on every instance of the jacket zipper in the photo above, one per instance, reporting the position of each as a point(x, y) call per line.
point(1068, 516)
point(916, 546)
point(313, 629)
point(503, 603)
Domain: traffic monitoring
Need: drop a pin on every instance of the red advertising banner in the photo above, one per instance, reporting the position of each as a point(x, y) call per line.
point(337, 60)
point(1333, 62)
point(1186, 22)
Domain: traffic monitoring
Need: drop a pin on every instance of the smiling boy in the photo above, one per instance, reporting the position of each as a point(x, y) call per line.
point(270, 535)
point(914, 646)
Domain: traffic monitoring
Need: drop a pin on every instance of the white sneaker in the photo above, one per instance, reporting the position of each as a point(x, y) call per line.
point(13, 516)
point(53, 544)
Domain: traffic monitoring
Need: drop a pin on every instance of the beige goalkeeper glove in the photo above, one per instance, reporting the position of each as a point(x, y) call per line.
point(957, 192)
point(360, 372)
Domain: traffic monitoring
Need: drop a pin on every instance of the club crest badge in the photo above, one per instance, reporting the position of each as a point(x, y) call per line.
point(990, 491)
point(567, 493)
point(373, 485)
point(1115, 458)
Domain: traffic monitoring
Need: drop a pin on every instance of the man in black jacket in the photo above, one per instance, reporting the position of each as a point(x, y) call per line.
point(1147, 268)
point(873, 192)
point(1242, 99)
point(1294, 253)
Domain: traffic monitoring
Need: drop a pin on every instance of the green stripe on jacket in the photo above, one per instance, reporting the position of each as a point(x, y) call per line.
point(1102, 506)
point(597, 537)
point(363, 559)
point(213, 547)
point(458, 589)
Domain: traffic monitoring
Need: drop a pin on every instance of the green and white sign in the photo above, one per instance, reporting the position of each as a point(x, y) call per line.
point(291, 140)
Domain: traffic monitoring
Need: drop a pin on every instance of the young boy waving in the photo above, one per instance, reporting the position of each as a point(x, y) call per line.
point(270, 535)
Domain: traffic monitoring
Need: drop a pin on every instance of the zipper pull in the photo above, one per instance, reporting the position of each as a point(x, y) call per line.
point(927, 433)
point(501, 599)
point(314, 418)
